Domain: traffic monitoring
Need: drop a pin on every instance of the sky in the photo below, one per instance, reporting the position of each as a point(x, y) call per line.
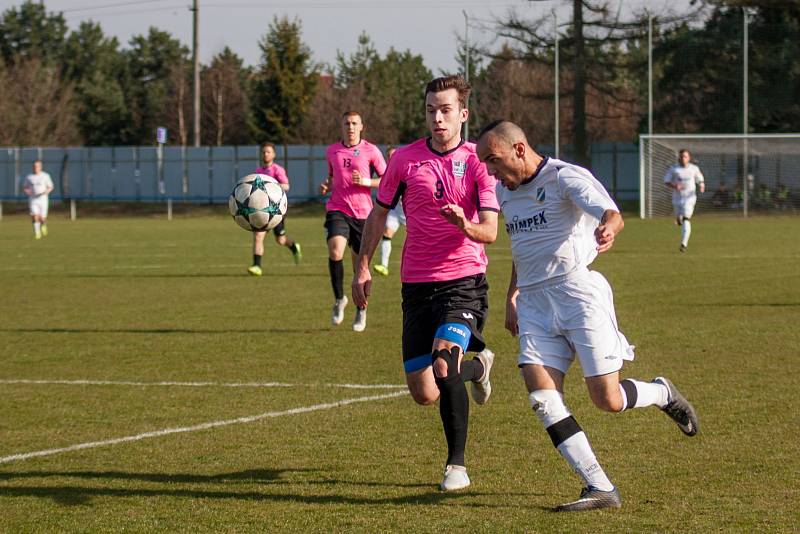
point(426, 27)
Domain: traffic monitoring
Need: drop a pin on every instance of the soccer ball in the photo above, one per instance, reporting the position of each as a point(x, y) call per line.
point(257, 203)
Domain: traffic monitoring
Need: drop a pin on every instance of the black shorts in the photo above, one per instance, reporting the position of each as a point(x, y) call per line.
point(337, 223)
point(428, 305)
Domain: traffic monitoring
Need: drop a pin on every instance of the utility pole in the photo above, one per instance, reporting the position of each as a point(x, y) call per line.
point(196, 60)
point(556, 90)
point(466, 65)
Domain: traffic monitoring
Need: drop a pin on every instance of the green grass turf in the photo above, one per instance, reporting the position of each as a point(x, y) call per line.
point(147, 300)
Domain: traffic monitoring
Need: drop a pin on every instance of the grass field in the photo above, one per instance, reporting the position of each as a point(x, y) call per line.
point(138, 303)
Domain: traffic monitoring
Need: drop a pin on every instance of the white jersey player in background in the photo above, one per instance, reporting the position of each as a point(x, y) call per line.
point(684, 179)
point(395, 218)
point(38, 187)
point(559, 217)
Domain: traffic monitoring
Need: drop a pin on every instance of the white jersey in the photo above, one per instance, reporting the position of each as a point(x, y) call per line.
point(551, 220)
point(689, 177)
point(39, 184)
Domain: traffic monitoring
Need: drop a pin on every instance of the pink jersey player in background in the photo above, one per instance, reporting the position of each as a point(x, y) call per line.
point(270, 168)
point(451, 213)
point(352, 163)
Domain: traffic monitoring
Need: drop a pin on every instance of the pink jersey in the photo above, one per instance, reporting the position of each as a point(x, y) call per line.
point(276, 171)
point(436, 250)
point(352, 199)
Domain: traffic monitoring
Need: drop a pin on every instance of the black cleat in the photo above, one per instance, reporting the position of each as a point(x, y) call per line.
point(592, 499)
point(679, 409)
point(683, 248)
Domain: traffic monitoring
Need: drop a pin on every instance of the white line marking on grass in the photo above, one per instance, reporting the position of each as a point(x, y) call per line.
point(196, 384)
point(195, 428)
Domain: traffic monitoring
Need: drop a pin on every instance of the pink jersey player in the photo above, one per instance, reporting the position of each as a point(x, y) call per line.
point(427, 181)
point(354, 200)
point(274, 170)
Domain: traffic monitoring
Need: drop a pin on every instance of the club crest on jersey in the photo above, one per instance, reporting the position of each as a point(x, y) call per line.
point(356, 152)
point(540, 194)
point(459, 168)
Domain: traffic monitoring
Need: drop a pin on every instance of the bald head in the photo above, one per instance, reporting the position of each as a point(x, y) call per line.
point(504, 131)
point(504, 148)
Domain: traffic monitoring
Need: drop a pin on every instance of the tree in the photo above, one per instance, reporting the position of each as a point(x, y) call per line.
point(699, 87)
point(226, 109)
point(94, 63)
point(594, 47)
point(285, 82)
point(152, 61)
point(38, 108)
point(31, 33)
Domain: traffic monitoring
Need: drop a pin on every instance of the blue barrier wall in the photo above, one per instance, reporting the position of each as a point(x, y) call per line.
point(207, 174)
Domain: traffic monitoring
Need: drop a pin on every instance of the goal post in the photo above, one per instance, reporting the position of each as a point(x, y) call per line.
point(743, 173)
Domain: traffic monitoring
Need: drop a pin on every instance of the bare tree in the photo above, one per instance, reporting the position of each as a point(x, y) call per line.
point(226, 109)
point(599, 44)
point(37, 108)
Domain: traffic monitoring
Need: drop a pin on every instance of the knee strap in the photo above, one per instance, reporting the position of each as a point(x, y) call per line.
point(450, 356)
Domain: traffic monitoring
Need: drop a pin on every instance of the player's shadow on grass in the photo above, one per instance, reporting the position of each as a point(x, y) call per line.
point(158, 330)
point(82, 496)
point(277, 274)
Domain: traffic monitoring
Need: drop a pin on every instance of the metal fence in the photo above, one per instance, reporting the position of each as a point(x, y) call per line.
point(208, 174)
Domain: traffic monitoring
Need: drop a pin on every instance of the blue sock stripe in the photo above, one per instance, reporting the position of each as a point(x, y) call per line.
point(420, 362)
point(456, 333)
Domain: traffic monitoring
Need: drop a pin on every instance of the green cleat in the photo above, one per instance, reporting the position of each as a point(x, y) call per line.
point(254, 270)
point(44, 230)
point(297, 254)
point(380, 269)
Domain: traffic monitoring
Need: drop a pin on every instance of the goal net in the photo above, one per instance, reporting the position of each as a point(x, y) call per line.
point(743, 173)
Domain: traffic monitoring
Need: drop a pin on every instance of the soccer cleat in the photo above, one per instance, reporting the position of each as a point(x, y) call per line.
point(254, 270)
point(483, 387)
point(455, 478)
point(381, 269)
point(679, 409)
point(360, 322)
point(44, 230)
point(338, 310)
point(592, 499)
point(37, 235)
point(297, 254)
point(683, 248)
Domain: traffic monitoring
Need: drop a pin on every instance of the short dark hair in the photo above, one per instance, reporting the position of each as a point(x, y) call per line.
point(454, 81)
point(681, 151)
point(351, 113)
point(267, 144)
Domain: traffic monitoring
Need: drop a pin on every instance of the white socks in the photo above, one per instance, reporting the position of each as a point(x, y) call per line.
point(577, 451)
point(638, 394)
point(686, 231)
point(386, 251)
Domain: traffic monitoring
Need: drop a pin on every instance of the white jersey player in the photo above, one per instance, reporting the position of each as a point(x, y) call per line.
point(394, 219)
point(559, 217)
point(684, 179)
point(38, 187)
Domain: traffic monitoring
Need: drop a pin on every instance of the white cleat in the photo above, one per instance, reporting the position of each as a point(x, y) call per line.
point(360, 322)
point(338, 310)
point(483, 387)
point(455, 478)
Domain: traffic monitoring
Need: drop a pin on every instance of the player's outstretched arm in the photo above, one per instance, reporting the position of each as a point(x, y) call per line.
point(610, 225)
point(373, 230)
point(484, 231)
point(512, 320)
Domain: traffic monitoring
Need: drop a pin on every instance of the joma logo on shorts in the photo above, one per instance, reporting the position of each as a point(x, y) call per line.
point(456, 330)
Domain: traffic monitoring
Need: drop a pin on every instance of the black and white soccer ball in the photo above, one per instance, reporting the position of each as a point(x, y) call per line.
point(258, 203)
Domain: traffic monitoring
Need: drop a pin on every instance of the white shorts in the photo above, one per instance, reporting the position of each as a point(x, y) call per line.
point(568, 315)
point(684, 207)
point(395, 218)
point(38, 206)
